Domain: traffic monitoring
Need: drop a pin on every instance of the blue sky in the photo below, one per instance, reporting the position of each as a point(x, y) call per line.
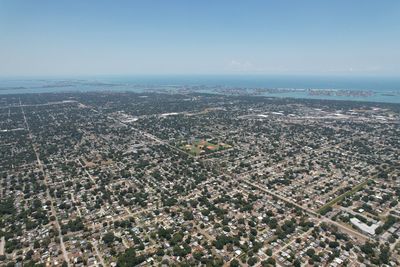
point(199, 37)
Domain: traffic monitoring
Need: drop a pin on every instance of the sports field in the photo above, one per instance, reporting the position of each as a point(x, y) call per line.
point(200, 147)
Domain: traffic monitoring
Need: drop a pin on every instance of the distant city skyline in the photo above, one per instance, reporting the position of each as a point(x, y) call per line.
point(352, 37)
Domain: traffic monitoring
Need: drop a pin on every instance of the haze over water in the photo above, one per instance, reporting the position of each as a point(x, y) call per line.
point(380, 89)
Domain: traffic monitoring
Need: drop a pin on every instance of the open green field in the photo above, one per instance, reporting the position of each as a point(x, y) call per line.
point(356, 188)
point(200, 147)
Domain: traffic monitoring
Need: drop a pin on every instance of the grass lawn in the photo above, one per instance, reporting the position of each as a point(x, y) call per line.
point(356, 188)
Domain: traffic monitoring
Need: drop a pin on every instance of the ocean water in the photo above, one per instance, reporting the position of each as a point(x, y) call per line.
point(357, 88)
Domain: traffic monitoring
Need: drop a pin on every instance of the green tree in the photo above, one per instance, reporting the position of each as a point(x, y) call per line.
point(252, 261)
point(129, 258)
point(234, 263)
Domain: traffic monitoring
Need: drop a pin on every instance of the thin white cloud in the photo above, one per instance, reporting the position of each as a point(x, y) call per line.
point(239, 66)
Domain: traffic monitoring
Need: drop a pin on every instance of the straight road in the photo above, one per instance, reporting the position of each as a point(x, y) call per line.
point(2, 245)
point(48, 195)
